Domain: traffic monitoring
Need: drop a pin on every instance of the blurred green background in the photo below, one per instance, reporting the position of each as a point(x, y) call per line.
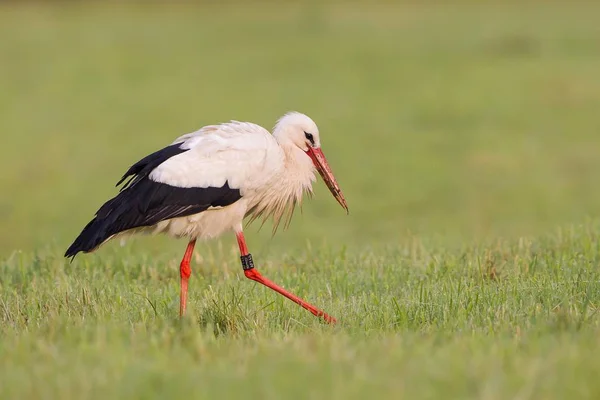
point(453, 122)
point(466, 126)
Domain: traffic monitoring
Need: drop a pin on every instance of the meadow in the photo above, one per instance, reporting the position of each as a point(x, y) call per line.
point(465, 137)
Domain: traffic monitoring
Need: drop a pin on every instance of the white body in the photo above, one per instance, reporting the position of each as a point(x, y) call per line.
point(272, 176)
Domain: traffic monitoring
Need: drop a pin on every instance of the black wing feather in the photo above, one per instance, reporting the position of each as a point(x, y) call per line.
point(142, 168)
point(144, 202)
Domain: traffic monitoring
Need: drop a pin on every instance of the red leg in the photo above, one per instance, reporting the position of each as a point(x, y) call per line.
point(252, 273)
point(185, 272)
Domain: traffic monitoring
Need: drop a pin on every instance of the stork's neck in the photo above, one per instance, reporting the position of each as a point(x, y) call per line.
point(299, 170)
point(287, 186)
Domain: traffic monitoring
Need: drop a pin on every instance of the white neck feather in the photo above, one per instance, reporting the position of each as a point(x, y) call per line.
point(295, 179)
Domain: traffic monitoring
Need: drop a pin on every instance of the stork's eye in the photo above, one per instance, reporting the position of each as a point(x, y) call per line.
point(310, 138)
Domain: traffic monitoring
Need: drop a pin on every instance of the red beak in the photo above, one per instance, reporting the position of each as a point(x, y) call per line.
point(322, 166)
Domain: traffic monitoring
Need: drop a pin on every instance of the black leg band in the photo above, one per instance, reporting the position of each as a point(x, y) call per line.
point(247, 262)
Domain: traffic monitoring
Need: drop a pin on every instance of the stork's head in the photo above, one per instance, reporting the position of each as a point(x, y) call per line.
point(300, 131)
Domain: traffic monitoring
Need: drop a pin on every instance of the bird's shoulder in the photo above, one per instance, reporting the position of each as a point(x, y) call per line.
point(234, 152)
point(227, 135)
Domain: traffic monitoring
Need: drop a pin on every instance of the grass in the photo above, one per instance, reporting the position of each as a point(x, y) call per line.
point(512, 320)
point(464, 138)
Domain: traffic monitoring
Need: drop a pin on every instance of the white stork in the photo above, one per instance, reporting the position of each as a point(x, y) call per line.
point(207, 182)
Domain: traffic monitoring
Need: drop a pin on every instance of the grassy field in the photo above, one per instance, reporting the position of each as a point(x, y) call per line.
point(466, 140)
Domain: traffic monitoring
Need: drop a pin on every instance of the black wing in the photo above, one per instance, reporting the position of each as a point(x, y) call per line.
point(144, 202)
point(142, 168)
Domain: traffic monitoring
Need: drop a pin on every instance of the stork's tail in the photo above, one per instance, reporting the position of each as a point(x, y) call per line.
point(96, 232)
